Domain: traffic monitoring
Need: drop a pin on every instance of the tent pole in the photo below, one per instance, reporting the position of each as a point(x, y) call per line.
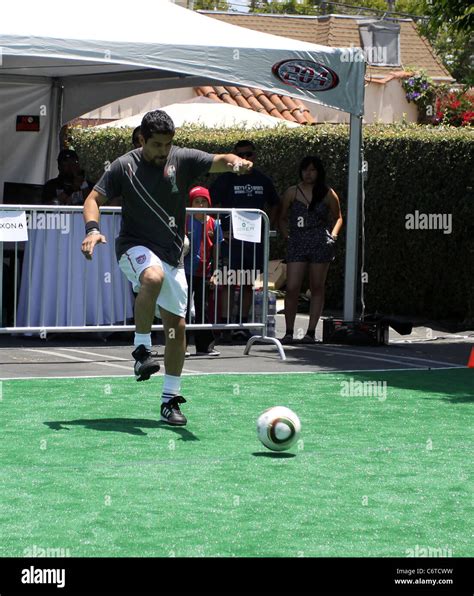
point(54, 129)
point(353, 200)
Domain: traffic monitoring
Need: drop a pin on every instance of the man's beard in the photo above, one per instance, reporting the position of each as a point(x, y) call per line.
point(159, 161)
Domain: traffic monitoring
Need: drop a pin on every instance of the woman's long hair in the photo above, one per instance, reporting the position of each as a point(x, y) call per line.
point(320, 188)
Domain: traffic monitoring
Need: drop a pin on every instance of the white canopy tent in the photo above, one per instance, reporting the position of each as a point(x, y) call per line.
point(57, 66)
point(202, 111)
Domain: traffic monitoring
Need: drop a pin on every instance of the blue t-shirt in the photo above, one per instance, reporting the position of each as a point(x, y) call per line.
point(194, 231)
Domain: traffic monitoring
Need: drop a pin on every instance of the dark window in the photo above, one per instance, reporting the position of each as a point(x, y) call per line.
point(381, 42)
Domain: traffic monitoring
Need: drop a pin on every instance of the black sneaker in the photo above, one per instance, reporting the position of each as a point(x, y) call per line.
point(146, 363)
point(171, 413)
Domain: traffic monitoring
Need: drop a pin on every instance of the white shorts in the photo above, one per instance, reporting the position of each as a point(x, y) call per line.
point(173, 295)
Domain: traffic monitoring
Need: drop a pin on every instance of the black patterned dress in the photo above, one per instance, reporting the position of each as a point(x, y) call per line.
point(310, 239)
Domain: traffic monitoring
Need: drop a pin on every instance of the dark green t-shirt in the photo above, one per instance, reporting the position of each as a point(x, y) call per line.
point(154, 199)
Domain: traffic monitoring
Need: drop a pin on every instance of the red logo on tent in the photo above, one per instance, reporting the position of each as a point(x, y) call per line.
point(305, 74)
point(141, 259)
point(28, 123)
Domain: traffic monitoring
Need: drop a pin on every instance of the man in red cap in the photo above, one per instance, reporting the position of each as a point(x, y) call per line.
point(203, 233)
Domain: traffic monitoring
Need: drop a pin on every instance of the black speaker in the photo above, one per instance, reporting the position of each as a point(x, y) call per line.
point(401, 327)
point(358, 333)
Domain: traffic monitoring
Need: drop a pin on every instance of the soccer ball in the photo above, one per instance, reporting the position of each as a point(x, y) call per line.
point(278, 428)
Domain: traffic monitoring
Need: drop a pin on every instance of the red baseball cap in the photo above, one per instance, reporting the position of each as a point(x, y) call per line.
point(200, 191)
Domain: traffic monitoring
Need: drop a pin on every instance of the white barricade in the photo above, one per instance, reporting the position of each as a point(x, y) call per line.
point(57, 290)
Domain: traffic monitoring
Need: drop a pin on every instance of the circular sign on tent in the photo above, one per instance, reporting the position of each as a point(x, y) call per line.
point(306, 74)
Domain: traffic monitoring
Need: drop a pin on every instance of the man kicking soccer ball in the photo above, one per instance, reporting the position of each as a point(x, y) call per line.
point(153, 182)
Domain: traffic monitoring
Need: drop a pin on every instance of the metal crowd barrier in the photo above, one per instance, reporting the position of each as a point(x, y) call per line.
point(55, 289)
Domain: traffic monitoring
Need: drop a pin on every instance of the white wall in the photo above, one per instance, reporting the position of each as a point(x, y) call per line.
point(387, 103)
point(137, 104)
point(382, 103)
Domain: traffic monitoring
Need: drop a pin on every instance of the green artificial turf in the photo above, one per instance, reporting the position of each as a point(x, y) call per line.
point(87, 467)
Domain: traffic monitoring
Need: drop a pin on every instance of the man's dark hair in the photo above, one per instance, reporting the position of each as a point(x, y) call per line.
point(156, 122)
point(320, 189)
point(135, 134)
point(244, 143)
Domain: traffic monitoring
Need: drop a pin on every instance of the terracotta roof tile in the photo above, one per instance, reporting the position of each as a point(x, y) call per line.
point(339, 32)
point(253, 100)
point(296, 111)
point(266, 103)
point(209, 92)
point(272, 104)
point(224, 95)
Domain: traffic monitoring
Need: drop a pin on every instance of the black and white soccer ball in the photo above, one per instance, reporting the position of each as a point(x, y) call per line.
point(278, 428)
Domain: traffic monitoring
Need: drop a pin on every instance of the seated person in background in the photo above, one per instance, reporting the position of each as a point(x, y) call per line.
point(136, 138)
point(71, 186)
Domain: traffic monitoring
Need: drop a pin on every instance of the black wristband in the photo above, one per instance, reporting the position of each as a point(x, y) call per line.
point(92, 225)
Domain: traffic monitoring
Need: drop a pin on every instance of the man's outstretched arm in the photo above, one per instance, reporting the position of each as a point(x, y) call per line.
point(230, 163)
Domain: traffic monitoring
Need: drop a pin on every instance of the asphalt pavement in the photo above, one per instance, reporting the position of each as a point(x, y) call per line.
point(86, 355)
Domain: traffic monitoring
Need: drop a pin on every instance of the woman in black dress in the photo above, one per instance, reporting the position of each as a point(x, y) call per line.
point(310, 219)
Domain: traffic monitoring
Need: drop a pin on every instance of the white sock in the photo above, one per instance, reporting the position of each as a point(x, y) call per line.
point(171, 388)
point(142, 338)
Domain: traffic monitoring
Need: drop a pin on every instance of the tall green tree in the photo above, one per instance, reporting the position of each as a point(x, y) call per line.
point(458, 15)
point(449, 30)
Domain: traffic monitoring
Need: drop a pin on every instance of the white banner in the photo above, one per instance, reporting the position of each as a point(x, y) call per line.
point(247, 226)
point(13, 226)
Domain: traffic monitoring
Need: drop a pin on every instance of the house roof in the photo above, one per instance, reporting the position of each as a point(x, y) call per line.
point(340, 31)
point(279, 106)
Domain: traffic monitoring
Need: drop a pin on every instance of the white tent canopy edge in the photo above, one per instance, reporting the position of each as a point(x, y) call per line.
point(68, 68)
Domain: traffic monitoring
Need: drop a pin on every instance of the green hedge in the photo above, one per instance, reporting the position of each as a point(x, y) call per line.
point(410, 272)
